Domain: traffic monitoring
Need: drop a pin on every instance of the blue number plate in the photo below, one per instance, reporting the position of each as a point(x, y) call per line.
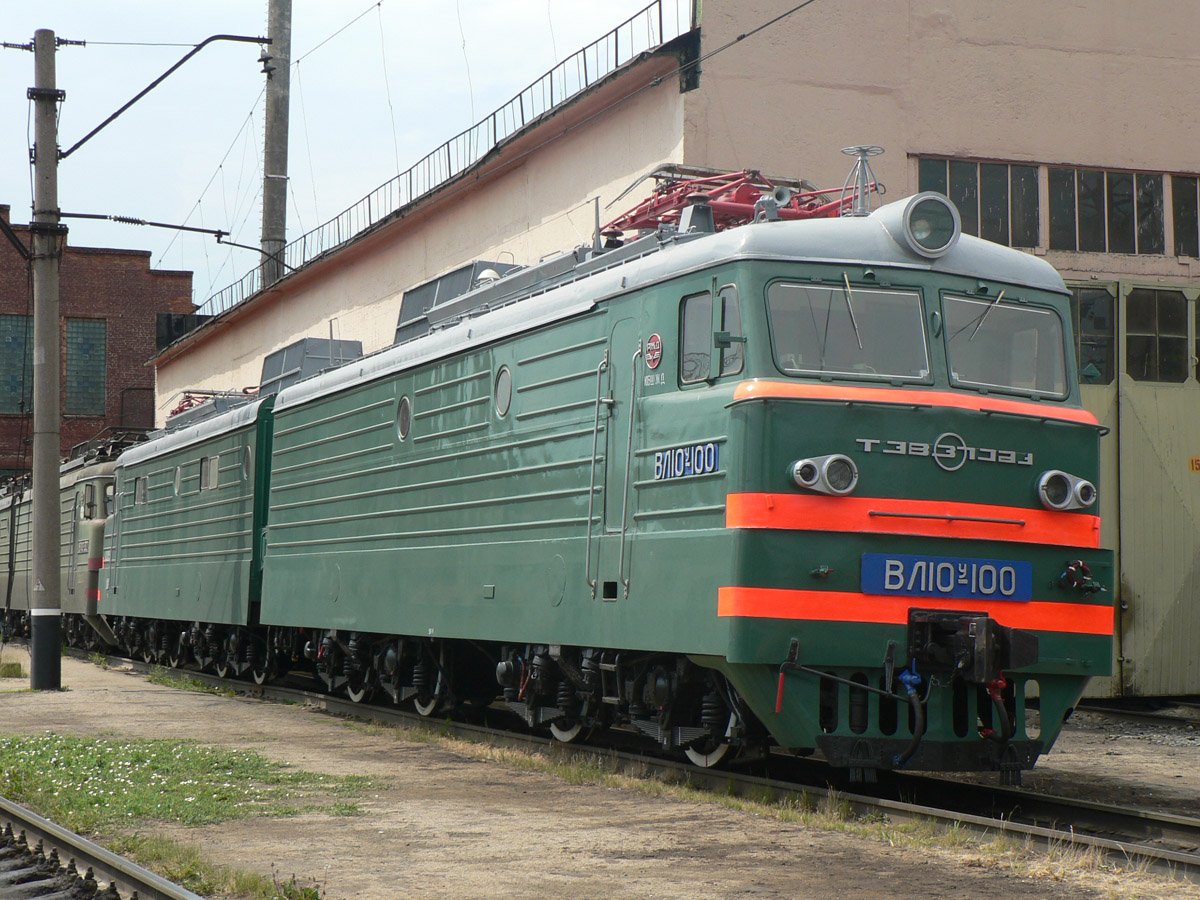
point(949, 577)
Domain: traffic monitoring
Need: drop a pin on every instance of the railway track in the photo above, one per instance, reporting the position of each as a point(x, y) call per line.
point(1185, 714)
point(41, 859)
point(1160, 841)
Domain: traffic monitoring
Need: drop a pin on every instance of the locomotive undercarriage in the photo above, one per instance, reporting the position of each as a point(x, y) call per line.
point(571, 692)
point(864, 722)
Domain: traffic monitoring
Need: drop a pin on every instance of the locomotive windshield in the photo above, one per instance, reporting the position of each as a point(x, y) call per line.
point(993, 345)
point(847, 331)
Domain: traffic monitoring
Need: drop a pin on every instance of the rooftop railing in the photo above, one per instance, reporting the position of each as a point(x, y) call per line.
point(646, 30)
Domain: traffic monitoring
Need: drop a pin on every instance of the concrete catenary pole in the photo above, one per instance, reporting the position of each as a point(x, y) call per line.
point(48, 234)
point(275, 139)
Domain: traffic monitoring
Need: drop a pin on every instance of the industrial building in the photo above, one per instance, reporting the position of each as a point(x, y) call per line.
point(116, 313)
point(1054, 128)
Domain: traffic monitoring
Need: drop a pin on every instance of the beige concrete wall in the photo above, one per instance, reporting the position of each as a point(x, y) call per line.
point(536, 206)
point(1090, 82)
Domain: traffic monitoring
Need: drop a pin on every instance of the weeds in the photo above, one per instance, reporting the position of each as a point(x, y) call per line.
point(184, 865)
point(180, 682)
point(90, 785)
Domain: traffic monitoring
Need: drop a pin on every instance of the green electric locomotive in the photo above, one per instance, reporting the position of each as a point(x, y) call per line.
point(86, 497)
point(825, 483)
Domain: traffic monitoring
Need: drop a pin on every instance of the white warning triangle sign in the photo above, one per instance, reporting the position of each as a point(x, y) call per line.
point(38, 586)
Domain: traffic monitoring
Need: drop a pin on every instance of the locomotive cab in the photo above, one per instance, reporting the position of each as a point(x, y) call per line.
point(916, 505)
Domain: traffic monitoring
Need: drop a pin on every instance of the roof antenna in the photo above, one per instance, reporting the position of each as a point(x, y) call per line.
point(597, 246)
point(863, 180)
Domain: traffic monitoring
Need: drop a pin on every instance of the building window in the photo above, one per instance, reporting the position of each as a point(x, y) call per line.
point(1156, 335)
point(16, 364)
point(996, 201)
point(85, 367)
point(1095, 326)
point(1094, 211)
point(1186, 213)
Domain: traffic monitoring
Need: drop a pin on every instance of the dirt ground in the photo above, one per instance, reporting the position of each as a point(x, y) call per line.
point(442, 824)
point(1121, 762)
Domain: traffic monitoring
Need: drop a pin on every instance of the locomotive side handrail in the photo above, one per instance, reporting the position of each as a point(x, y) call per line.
point(628, 464)
point(587, 564)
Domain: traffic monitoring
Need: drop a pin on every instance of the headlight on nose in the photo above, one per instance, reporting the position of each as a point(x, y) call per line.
point(1062, 491)
point(833, 474)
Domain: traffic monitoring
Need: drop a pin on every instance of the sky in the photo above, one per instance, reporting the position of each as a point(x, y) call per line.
point(375, 86)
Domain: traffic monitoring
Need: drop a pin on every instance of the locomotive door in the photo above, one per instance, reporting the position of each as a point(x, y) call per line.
point(624, 356)
point(624, 343)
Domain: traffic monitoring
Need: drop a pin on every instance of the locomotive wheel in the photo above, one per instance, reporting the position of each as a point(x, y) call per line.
point(262, 672)
point(222, 668)
point(712, 751)
point(174, 659)
point(566, 730)
point(360, 688)
point(428, 705)
point(707, 760)
point(149, 643)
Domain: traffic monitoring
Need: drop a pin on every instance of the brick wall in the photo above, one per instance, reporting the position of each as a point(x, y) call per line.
point(118, 287)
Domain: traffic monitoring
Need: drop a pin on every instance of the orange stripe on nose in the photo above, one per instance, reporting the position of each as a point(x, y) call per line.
point(839, 393)
point(848, 606)
point(923, 518)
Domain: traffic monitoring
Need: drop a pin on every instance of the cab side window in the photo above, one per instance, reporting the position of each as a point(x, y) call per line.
point(698, 330)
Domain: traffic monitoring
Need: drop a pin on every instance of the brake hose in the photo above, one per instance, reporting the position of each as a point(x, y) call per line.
point(1007, 726)
point(910, 679)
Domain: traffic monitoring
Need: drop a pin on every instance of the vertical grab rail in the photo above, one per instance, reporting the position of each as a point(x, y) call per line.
point(74, 545)
point(114, 519)
point(600, 401)
point(628, 464)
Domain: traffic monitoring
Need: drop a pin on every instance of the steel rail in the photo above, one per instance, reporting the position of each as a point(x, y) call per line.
point(1131, 834)
point(1190, 717)
point(127, 877)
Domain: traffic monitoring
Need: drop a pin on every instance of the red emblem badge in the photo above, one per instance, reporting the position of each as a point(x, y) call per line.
point(653, 351)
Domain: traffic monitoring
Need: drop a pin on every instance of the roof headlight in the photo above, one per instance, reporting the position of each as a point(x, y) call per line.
point(927, 224)
point(932, 224)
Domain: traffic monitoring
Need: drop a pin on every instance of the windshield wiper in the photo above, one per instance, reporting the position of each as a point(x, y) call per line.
point(850, 307)
point(991, 306)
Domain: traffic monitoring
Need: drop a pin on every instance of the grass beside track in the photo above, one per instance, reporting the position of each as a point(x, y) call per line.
point(111, 788)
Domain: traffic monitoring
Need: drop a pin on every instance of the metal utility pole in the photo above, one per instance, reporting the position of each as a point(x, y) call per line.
point(49, 236)
point(45, 610)
point(275, 139)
